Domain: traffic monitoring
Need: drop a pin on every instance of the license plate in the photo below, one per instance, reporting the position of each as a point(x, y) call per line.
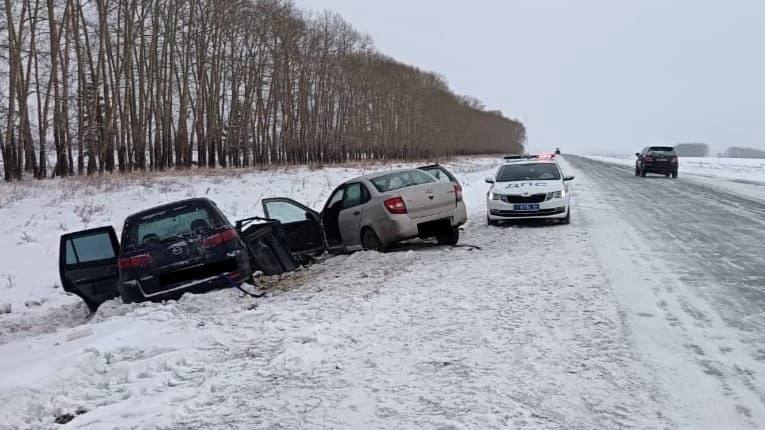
point(661, 159)
point(526, 208)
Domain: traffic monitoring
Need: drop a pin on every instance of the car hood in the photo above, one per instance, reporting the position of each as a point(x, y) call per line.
point(530, 187)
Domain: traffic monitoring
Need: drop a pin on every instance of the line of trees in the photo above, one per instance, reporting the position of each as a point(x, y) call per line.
point(743, 152)
point(123, 85)
point(692, 149)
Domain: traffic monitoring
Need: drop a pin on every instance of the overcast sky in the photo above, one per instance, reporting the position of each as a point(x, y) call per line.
point(589, 75)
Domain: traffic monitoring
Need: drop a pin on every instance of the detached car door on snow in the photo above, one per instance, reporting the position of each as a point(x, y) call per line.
point(88, 265)
point(300, 223)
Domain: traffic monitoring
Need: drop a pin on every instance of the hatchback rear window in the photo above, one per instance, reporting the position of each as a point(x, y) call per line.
point(440, 174)
point(398, 180)
point(182, 222)
point(662, 150)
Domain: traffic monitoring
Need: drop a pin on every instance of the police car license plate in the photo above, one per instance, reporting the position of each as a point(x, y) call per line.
point(526, 207)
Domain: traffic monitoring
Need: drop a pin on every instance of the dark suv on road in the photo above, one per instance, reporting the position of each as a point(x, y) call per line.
point(186, 246)
point(657, 159)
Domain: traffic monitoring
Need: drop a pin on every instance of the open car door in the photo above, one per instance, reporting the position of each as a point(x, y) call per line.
point(88, 265)
point(301, 225)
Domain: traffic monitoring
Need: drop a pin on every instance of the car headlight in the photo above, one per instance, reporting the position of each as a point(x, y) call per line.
point(493, 195)
point(556, 195)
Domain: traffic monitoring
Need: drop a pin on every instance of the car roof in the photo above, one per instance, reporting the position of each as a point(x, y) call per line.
point(196, 200)
point(379, 174)
point(530, 161)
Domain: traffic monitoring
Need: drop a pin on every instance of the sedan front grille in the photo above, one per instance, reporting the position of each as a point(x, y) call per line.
point(534, 198)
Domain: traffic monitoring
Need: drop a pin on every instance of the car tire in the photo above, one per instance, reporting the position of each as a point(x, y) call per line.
point(449, 237)
point(125, 295)
point(567, 219)
point(643, 172)
point(370, 241)
point(637, 171)
point(674, 174)
point(491, 222)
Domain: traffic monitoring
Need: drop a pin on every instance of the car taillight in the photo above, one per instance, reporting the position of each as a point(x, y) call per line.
point(219, 238)
point(395, 206)
point(134, 262)
point(458, 192)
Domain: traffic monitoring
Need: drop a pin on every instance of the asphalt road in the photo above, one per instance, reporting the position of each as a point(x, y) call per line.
point(710, 245)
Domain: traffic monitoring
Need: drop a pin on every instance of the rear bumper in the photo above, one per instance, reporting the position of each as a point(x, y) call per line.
point(660, 168)
point(498, 210)
point(400, 227)
point(150, 288)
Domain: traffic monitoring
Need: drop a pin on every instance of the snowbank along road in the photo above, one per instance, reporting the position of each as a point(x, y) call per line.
point(634, 315)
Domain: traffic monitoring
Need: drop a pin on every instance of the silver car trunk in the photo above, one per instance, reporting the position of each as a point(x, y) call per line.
point(429, 199)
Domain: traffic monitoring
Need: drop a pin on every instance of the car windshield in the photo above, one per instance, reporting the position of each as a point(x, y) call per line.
point(525, 172)
point(398, 180)
point(661, 150)
point(180, 222)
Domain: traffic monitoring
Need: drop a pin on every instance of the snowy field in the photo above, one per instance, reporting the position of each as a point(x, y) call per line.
point(533, 327)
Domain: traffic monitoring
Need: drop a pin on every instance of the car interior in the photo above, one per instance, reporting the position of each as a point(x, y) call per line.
point(331, 218)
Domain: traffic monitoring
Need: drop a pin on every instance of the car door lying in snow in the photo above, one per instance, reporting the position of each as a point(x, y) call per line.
point(301, 224)
point(267, 244)
point(88, 265)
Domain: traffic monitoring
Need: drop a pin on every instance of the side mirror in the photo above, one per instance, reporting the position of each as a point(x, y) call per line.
point(637, 154)
point(568, 178)
point(489, 180)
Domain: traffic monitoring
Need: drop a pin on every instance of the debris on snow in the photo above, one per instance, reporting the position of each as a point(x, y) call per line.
point(79, 334)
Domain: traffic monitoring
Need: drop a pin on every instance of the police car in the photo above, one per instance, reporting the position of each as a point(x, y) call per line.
point(528, 188)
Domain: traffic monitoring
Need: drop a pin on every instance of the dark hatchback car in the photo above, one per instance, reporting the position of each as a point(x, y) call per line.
point(661, 160)
point(186, 246)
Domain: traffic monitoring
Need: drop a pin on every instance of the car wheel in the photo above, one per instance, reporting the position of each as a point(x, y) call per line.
point(370, 241)
point(674, 174)
point(125, 295)
point(643, 172)
point(637, 171)
point(449, 237)
point(567, 219)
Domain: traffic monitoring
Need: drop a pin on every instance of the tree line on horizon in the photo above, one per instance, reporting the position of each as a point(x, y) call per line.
point(124, 85)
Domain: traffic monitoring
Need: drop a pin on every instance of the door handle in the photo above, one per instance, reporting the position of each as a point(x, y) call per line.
point(357, 213)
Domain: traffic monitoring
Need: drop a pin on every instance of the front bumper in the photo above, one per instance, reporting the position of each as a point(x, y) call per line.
point(498, 210)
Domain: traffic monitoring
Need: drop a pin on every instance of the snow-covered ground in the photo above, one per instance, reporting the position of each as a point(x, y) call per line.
point(533, 327)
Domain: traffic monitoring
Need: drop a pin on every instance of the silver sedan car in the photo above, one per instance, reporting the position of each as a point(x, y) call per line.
point(375, 211)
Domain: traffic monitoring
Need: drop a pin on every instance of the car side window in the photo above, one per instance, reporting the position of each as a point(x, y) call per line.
point(365, 194)
point(91, 248)
point(286, 212)
point(353, 195)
